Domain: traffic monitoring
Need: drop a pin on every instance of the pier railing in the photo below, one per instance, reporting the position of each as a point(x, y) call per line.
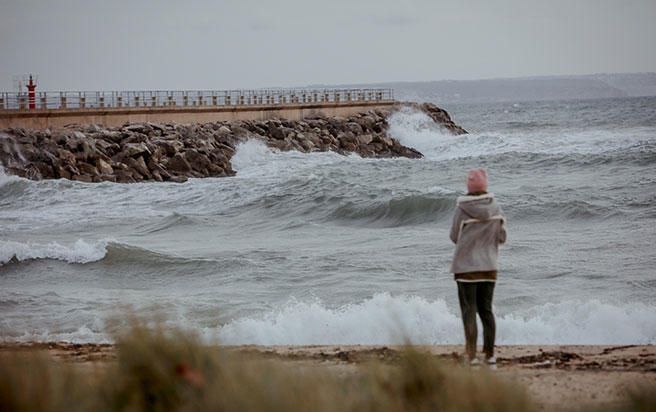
point(186, 98)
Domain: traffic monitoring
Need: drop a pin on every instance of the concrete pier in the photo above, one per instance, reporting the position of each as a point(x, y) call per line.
point(54, 118)
point(110, 109)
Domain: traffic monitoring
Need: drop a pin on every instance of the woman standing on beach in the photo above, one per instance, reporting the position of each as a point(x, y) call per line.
point(478, 229)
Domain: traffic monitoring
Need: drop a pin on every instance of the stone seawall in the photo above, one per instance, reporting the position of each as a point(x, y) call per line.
point(174, 152)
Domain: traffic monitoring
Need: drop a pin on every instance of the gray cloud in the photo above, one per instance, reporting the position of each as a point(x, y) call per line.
point(148, 44)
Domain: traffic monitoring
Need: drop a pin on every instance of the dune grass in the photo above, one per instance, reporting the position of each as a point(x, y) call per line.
point(167, 370)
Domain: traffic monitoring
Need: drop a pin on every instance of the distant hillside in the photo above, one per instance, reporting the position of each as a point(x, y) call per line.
point(525, 89)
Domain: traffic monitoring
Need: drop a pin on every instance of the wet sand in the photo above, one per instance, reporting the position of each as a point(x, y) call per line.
point(557, 377)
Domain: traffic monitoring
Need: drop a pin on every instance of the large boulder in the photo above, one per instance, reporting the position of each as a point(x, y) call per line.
point(198, 162)
point(178, 164)
point(88, 169)
point(170, 146)
point(104, 168)
point(135, 149)
point(224, 131)
point(364, 139)
point(354, 128)
point(107, 148)
point(139, 165)
point(367, 122)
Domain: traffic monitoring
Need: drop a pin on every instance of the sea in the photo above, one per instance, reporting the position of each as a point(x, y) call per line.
point(322, 248)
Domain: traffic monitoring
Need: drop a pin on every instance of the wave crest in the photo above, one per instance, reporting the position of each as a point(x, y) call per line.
point(11, 185)
point(407, 210)
point(79, 252)
point(83, 252)
point(386, 319)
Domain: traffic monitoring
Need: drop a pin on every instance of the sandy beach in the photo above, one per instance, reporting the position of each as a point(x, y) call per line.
point(556, 377)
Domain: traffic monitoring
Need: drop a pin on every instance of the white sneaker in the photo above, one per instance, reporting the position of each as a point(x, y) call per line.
point(474, 362)
point(492, 360)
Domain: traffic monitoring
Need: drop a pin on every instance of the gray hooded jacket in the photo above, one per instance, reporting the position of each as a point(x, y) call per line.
point(478, 229)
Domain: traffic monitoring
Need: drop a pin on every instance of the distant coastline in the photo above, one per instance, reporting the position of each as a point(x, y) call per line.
point(535, 88)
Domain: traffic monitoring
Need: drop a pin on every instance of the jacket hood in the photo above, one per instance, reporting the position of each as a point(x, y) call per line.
point(481, 207)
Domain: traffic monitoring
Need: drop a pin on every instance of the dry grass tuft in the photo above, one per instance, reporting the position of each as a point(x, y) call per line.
point(33, 382)
point(164, 370)
point(422, 383)
point(641, 399)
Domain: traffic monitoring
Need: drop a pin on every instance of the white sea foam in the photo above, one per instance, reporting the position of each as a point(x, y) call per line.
point(83, 334)
point(15, 147)
point(386, 319)
point(250, 154)
point(415, 129)
point(253, 158)
point(5, 178)
point(78, 252)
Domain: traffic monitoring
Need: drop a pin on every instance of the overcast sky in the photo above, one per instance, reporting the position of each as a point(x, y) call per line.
point(204, 44)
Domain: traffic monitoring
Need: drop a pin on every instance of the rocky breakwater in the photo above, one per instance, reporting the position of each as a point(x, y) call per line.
point(173, 152)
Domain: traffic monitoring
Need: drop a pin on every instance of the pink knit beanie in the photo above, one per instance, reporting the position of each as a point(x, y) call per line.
point(477, 181)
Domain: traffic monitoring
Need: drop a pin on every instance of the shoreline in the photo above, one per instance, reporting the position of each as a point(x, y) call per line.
point(557, 377)
point(621, 358)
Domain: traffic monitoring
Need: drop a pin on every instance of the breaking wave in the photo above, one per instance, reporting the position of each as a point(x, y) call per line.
point(85, 252)
point(386, 319)
point(389, 320)
point(11, 186)
point(586, 147)
point(78, 252)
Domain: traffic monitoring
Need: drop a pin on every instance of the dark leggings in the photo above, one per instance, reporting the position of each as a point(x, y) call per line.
point(477, 297)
